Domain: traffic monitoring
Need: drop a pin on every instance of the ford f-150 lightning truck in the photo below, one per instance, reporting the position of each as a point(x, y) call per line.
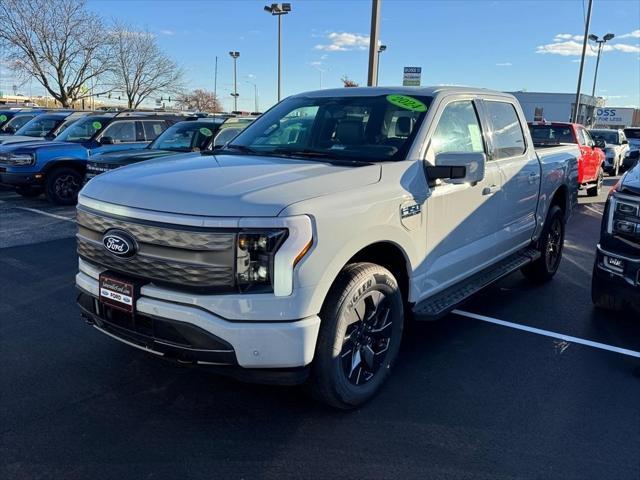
point(298, 251)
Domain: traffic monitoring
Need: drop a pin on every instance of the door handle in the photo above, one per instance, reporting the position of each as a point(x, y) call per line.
point(490, 190)
point(533, 177)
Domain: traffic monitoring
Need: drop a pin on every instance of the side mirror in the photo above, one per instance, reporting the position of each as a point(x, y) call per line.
point(459, 167)
point(600, 143)
point(107, 141)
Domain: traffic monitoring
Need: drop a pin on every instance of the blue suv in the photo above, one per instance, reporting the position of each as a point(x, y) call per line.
point(57, 168)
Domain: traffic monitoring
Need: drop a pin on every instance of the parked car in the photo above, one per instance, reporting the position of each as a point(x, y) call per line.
point(57, 168)
point(633, 154)
point(15, 120)
point(615, 145)
point(591, 163)
point(294, 253)
point(616, 273)
point(195, 135)
point(45, 126)
point(6, 115)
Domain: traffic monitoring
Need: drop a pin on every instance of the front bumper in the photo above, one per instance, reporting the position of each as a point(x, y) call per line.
point(20, 179)
point(247, 344)
point(623, 280)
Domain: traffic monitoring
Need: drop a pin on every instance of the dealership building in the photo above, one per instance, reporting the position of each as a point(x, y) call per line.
point(558, 107)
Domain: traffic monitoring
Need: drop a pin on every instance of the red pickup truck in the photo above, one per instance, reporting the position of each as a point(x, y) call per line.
point(591, 162)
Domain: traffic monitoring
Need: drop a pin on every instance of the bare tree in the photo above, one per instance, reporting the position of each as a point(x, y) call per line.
point(140, 67)
point(57, 42)
point(200, 100)
point(347, 82)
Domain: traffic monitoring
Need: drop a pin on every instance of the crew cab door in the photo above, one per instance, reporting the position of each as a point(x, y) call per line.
point(520, 173)
point(590, 155)
point(462, 218)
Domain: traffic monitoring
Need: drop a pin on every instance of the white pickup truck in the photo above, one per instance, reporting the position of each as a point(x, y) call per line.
point(297, 253)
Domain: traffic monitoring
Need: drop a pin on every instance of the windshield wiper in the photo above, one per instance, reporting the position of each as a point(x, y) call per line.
point(332, 157)
point(240, 148)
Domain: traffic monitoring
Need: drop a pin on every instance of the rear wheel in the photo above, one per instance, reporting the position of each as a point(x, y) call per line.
point(359, 338)
point(62, 186)
point(29, 192)
point(551, 244)
point(595, 190)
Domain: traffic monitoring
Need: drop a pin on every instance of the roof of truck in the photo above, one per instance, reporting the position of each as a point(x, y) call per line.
point(422, 91)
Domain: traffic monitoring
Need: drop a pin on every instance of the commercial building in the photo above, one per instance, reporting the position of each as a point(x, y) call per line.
point(617, 117)
point(557, 107)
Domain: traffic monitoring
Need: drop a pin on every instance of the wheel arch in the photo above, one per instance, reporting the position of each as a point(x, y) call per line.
point(76, 164)
point(561, 198)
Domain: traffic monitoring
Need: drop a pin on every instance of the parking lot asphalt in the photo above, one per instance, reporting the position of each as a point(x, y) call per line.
point(468, 398)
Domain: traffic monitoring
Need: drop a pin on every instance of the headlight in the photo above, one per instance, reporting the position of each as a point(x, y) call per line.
point(624, 216)
point(20, 159)
point(255, 252)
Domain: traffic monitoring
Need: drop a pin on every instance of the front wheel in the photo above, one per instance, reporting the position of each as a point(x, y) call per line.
point(360, 332)
point(550, 245)
point(595, 190)
point(62, 186)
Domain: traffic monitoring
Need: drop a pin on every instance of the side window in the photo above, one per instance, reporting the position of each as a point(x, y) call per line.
point(508, 139)
point(226, 135)
point(153, 128)
point(121, 132)
point(458, 130)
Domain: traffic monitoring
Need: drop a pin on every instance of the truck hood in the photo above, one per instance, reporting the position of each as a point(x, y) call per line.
point(631, 181)
point(5, 140)
point(125, 157)
point(226, 185)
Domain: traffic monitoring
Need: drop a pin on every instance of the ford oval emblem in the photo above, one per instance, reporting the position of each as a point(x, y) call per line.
point(119, 243)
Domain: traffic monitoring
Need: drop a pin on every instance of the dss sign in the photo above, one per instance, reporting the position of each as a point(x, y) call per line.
point(614, 116)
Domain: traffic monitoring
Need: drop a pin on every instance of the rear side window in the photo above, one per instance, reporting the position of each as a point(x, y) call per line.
point(121, 132)
point(226, 135)
point(458, 130)
point(153, 128)
point(508, 139)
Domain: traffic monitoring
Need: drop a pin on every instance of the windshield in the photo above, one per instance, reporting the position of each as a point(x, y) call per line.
point(40, 126)
point(632, 133)
point(551, 134)
point(186, 137)
point(367, 128)
point(5, 117)
point(83, 130)
point(15, 123)
point(609, 136)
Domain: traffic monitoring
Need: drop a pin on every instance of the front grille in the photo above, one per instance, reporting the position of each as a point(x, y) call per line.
point(182, 258)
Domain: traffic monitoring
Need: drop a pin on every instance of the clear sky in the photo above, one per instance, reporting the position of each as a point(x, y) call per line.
point(504, 45)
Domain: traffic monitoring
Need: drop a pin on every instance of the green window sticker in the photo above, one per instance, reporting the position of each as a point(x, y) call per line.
point(3, 118)
point(96, 125)
point(406, 102)
point(206, 132)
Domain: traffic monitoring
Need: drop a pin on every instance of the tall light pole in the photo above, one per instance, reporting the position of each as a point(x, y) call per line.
point(235, 56)
point(372, 77)
point(576, 108)
point(600, 42)
point(381, 49)
point(215, 86)
point(255, 95)
point(279, 9)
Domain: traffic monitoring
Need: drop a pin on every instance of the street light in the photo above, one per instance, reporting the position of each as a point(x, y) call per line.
point(600, 42)
point(279, 9)
point(235, 56)
point(381, 49)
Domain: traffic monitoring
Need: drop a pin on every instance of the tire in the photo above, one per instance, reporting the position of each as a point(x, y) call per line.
point(550, 245)
point(28, 192)
point(597, 188)
point(601, 296)
point(361, 327)
point(62, 186)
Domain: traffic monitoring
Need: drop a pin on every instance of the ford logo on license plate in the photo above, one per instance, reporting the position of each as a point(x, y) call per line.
point(119, 243)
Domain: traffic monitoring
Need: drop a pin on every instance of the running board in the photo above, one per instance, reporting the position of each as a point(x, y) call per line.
point(443, 302)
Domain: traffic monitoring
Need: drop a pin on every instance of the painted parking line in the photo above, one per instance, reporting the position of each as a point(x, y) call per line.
point(53, 215)
point(547, 333)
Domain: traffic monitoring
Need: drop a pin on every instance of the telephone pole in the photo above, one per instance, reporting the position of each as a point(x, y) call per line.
point(576, 108)
point(372, 77)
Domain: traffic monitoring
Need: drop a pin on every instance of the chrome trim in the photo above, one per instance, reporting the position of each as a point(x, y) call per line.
point(623, 257)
